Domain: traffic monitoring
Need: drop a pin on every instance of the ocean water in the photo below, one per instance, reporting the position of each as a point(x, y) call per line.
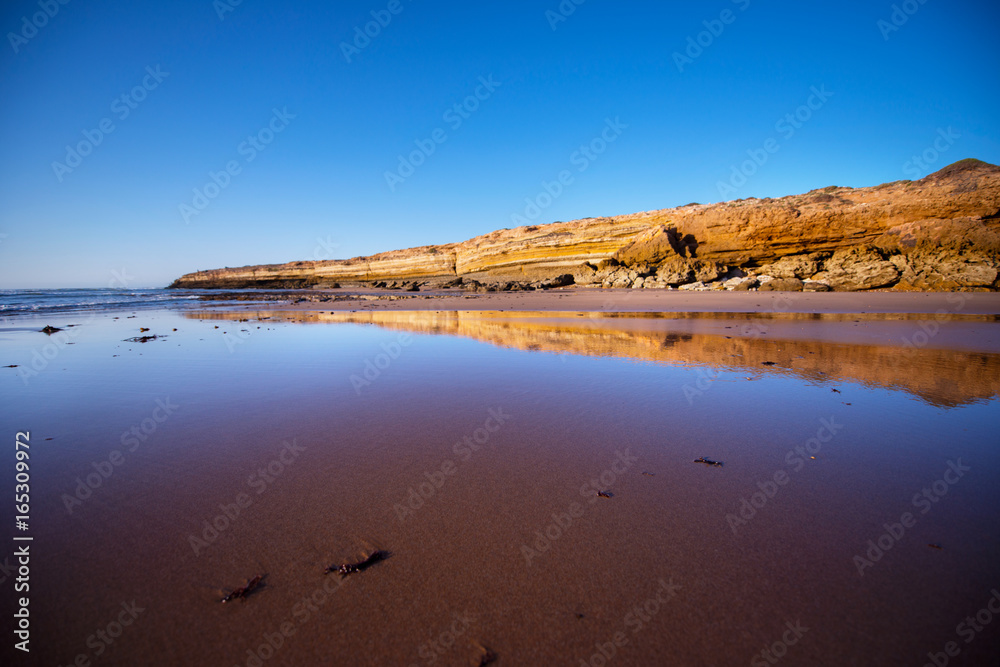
point(21, 302)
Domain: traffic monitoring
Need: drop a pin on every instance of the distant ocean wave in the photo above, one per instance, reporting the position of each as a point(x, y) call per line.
point(15, 303)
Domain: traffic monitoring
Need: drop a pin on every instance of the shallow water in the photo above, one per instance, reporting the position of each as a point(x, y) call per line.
point(24, 302)
point(471, 446)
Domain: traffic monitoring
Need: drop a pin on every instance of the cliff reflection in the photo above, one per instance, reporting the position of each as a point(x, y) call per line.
point(808, 347)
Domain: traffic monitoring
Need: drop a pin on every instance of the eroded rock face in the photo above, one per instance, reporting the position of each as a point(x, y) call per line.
point(942, 232)
point(946, 271)
point(585, 274)
point(652, 247)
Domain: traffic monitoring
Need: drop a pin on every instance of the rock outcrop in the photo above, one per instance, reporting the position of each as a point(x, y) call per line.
point(938, 233)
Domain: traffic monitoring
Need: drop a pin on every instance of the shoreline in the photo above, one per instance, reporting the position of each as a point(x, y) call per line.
point(634, 301)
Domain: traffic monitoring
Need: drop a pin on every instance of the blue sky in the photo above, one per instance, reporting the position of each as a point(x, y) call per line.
point(309, 129)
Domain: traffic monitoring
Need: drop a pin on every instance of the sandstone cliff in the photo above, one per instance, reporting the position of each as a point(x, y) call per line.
point(938, 233)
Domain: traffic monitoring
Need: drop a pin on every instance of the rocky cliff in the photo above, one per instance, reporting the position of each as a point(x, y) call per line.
point(938, 233)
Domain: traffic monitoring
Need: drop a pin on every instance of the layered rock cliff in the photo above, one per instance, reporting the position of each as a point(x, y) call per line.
point(939, 233)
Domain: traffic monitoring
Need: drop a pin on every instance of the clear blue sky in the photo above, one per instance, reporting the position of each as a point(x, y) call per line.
point(319, 188)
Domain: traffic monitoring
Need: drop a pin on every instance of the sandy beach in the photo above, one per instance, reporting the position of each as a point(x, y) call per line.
point(530, 475)
point(612, 300)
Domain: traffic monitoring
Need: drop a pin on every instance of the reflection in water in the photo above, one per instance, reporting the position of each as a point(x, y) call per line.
point(818, 348)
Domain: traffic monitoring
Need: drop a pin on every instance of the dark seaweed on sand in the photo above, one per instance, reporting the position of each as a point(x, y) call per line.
point(708, 461)
point(242, 592)
point(350, 568)
point(488, 657)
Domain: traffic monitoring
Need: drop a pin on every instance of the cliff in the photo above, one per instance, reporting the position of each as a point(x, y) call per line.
point(939, 233)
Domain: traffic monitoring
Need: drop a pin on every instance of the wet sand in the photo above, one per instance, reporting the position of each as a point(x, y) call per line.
point(471, 447)
point(628, 300)
point(951, 365)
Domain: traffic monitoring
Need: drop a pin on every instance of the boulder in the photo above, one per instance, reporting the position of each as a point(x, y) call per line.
point(564, 280)
point(858, 268)
point(782, 285)
point(796, 266)
point(681, 270)
point(471, 285)
point(623, 280)
point(740, 284)
point(708, 271)
point(676, 271)
point(652, 282)
point(585, 274)
point(644, 270)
